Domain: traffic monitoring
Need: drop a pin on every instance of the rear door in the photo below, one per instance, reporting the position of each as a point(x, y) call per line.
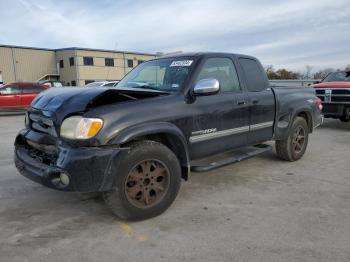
point(220, 122)
point(10, 97)
point(261, 101)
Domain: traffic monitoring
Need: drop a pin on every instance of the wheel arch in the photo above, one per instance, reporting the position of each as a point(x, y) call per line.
point(165, 133)
point(285, 122)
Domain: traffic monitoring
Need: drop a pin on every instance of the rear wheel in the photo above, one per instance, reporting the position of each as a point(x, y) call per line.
point(147, 182)
point(293, 148)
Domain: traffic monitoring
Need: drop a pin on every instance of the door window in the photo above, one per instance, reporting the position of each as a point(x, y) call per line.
point(223, 70)
point(32, 89)
point(10, 90)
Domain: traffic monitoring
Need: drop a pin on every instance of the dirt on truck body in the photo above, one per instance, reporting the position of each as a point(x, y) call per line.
point(167, 117)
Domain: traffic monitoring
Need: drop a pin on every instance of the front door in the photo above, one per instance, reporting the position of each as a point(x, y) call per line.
point(220, 122)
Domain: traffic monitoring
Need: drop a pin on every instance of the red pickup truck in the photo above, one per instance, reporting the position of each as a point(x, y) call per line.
point(334, 91)
point(19, 95)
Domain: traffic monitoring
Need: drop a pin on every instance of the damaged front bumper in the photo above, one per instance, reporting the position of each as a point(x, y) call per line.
point(83, 169)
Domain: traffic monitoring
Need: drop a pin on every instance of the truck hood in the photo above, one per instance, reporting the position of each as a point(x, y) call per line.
point(332, 85)
point(67, 100)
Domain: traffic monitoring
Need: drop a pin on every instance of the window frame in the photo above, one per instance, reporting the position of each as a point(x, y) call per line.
point(61, 63)
point(131, 61)
point(71, 61)
point(107, 60)
point(85, 60)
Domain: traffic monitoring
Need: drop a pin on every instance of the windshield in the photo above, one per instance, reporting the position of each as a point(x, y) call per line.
point(341, 76)
point(94, 84)
point(167, 74)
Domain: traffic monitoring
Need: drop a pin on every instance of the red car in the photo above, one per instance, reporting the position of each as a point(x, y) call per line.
point(19, 95)
point(334, 91)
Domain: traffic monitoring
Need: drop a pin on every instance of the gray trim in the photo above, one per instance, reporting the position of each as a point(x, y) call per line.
point(227, 132)
point(261, 125)
point(105, 50)
point(78, 48)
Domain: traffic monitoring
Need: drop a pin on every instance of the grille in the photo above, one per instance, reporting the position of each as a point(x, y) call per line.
point(334, 95)
point(319, 91)
point(341, 92)
point(340, 98)
point(41, 123)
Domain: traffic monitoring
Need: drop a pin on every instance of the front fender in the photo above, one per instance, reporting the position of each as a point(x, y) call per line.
point(172, 133)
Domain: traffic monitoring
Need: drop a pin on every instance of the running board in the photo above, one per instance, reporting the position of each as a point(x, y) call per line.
point(210, 163)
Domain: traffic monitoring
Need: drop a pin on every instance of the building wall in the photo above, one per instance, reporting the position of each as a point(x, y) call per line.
point(68, 74)
point(99, 71)
point(6, 65)
point(25, 64)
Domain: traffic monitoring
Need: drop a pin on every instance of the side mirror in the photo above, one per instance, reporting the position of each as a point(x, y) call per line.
point(206, 87)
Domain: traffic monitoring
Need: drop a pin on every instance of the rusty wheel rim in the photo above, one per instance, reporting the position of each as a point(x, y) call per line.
point(147, 183)
point(298, 139)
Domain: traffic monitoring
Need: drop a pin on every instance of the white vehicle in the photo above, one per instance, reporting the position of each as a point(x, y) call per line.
point(102, 84)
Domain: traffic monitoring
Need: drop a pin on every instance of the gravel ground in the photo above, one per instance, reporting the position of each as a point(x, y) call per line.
point(262, 209)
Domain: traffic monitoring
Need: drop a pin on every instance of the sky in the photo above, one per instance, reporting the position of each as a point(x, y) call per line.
point(286, 33)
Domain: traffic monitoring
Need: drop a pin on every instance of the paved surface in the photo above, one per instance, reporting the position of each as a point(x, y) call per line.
point(261, 209)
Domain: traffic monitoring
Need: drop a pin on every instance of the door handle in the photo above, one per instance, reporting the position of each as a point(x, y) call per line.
point(240, 103)
point(255, 102)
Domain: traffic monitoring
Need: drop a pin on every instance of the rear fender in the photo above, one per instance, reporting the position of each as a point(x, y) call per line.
point(285, 121)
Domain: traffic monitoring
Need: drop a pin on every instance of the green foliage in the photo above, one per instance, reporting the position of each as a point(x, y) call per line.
point(273, 74)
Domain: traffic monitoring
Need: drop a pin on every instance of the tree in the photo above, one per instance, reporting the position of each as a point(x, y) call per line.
point(270, 71)
point(307, 73)
point(280, 74)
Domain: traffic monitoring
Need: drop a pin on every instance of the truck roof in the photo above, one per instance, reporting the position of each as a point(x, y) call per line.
point(201, 54)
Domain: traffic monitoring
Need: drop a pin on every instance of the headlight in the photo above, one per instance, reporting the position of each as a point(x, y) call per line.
point(77, 127)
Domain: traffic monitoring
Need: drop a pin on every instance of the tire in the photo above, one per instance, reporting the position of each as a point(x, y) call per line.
point(288, 149)
point(344, 119)
point(147, 168)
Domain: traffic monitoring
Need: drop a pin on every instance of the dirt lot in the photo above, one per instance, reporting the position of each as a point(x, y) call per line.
point(261, 209)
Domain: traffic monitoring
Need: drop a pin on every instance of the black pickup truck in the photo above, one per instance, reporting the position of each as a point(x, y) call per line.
point(167, 117)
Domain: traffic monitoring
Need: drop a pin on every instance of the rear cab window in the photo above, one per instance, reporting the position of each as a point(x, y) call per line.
point(255, 77)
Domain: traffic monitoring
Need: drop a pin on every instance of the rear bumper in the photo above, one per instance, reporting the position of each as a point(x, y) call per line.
point(89, 169)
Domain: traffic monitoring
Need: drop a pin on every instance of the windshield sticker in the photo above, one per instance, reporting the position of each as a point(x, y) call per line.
point(182, 63)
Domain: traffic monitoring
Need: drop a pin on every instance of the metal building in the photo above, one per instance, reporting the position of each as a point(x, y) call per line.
point(73, 65)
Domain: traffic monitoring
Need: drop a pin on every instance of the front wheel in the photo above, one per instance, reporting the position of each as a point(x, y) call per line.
point(293, 148)
point(146, 183)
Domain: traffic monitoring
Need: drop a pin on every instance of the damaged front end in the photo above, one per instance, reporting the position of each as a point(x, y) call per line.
point(44, 157)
